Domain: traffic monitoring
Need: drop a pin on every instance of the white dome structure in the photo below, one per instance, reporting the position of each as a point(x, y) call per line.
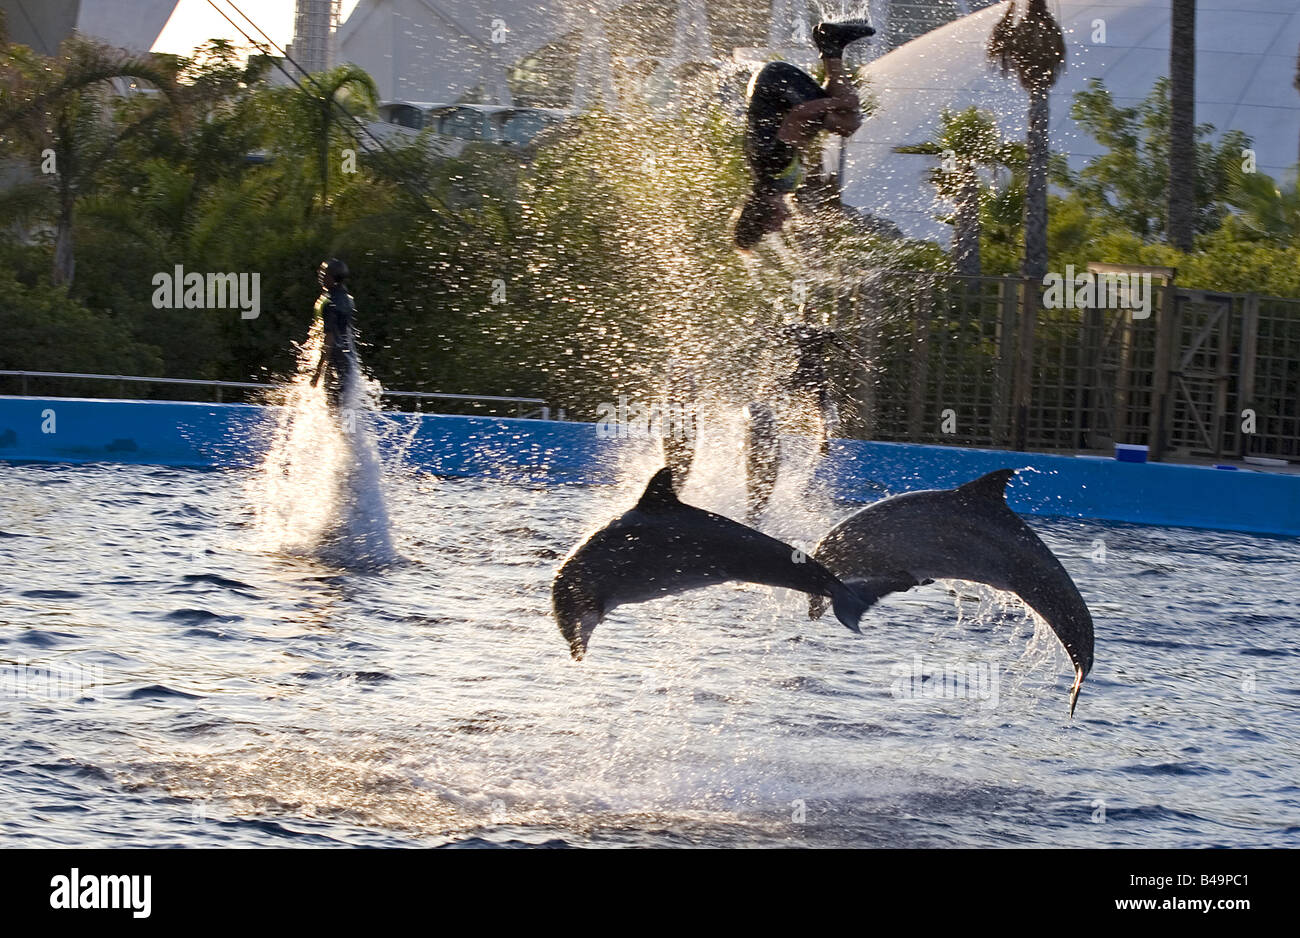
point(1245, 69)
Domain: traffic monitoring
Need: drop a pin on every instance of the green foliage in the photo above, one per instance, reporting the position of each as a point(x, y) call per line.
point(1266, 211)
point(973, 139)
point(571, 270)
point(46, 330)
point(1113, 210)
point(1129, 184)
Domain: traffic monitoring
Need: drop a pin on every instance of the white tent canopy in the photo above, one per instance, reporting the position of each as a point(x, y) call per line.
point(1246, 64)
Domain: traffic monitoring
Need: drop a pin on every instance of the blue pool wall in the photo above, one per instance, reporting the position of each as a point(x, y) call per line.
point(199, 435)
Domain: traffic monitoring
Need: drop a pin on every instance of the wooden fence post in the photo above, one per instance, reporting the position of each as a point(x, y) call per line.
point(1246, 376)
point(1166, 350)
point(1123, 378)
point(1007, 300)
point(921, 321)
point(1029, 302)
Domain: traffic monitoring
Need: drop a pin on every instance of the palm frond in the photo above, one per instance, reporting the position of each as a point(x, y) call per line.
point(1031, 47)
point(1000, 40)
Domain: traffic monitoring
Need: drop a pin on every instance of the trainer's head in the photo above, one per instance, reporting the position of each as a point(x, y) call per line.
point(762, 214)
point(330, 272)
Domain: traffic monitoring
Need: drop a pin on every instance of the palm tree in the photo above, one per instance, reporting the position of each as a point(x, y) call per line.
point(65, 104)
point(1182, 124)
point(971, 138)
point(345, 87)
point(1266, 209)
point(1034, 49)
point(1297, 73)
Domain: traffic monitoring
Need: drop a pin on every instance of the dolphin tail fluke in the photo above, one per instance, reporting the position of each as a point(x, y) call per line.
point(869, 591)
point(849, 604)
point(853, 597)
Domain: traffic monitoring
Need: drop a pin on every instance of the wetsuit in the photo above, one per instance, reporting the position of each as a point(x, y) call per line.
point(774, 90)
point(810, 344)
point(809, 381)
point(337, 314)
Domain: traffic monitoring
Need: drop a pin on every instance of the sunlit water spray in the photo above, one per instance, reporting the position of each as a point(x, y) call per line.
point(319, 491)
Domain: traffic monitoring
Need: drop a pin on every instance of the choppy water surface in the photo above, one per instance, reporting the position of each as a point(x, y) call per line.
point(252, 696)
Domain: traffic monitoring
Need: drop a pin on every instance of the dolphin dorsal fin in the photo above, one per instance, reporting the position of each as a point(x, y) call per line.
point(659, 493)
point(991, 487)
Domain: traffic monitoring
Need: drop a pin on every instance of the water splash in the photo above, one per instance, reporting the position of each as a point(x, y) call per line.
point(319, 491)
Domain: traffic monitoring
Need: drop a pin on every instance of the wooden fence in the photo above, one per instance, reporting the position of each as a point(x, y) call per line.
point(982, 361)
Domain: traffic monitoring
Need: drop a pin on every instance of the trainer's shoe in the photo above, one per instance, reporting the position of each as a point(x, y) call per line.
point(831, 38)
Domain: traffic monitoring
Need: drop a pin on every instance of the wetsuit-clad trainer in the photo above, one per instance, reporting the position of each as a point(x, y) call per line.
point(335, 308)
point(787, 109)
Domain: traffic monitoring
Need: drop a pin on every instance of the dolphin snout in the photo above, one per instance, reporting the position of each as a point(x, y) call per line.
point(577, 614)
point(578, 632)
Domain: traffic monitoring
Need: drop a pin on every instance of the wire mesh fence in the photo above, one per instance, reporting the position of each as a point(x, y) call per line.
point(985, 361)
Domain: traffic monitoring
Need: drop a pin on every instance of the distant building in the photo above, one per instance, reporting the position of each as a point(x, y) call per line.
point(454, 126)
point(314, 26)
point(44, 24)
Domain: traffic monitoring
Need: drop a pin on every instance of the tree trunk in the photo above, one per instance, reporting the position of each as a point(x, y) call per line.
point(1035, 261)
point(1181, 227)
point(325, 153)
point(65, 262)
point(966, 228)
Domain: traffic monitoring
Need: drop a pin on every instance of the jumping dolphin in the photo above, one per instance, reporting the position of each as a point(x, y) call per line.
point(662, 547)
point(966, 533)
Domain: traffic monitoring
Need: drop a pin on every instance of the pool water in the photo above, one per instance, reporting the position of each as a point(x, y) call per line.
point(245, 694)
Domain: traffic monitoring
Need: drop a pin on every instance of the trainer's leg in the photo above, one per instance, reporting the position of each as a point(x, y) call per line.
point(831, 38)
point(838, 83)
